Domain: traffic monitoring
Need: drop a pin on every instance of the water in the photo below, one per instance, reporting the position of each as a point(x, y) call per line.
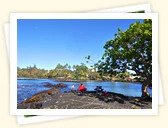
point(27, 88)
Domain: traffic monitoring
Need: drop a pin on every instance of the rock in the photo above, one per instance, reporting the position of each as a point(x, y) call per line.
point(106, 100)
point(135, 107)
point(49, 92)
point(137, 100)
point(48, 85)
point(119, 100)
point(55, 99)
point(136, 103)
point(36, 105)
point(110, 99)
point(61, 85)
point(40, 96)
point(34, 98)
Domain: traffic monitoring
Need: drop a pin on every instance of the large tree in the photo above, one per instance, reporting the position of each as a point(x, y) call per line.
point(130, 50)
point(80, 71)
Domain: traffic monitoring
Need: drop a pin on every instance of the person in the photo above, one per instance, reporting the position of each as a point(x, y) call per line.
point(105, 93)
point(73, 88)
point(99, 89)
point(82, 88)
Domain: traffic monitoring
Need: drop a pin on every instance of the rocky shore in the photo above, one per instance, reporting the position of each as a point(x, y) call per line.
point(55, 99)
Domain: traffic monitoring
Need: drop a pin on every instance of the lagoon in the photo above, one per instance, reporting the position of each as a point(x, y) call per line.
point(26, 88)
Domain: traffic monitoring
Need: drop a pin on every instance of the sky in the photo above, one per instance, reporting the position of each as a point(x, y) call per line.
point(47, 42)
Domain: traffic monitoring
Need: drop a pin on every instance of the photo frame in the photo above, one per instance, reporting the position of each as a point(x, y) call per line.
point(14, 18)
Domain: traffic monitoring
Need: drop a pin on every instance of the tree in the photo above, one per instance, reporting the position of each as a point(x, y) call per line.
point(59, 67)
point(123, 75)
point(130, 50)
point(93, 75)
point(32, 72)
point(80, 71)
point(60, 72)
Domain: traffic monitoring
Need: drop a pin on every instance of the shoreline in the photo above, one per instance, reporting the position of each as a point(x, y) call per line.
point(57, 80)
point(55, 99)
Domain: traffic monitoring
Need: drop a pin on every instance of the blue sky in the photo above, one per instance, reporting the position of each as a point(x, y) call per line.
point(46, 43)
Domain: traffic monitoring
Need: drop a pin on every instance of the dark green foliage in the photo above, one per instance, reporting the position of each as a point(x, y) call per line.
point(130, 50)
point(32, 72)
point(61, 72)
point(80, 72)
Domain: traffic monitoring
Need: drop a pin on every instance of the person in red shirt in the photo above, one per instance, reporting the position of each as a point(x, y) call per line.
point(82, 88)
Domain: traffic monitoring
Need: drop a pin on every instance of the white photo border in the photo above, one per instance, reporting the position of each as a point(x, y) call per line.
point(13, 64)
point(133, 8)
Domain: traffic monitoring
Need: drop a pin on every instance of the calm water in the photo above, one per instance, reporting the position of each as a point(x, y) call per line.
point(27, 88)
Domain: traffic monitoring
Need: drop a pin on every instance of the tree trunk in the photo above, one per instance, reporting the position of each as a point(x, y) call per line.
point(146, 83)
point(144, 90)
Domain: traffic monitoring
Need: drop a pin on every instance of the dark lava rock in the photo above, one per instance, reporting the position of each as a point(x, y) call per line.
point(119, 100)
point(48, 85)
point(61, 85)
point(54, 99)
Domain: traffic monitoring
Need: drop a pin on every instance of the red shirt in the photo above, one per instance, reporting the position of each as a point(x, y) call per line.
point(82, 88)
